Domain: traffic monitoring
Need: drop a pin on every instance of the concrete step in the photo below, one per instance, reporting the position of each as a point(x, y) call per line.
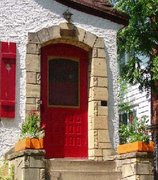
point(66, 169)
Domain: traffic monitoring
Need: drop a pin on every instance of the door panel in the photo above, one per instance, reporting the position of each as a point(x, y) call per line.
point(64, 70)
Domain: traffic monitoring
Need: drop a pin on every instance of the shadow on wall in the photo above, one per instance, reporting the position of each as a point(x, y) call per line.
point(59, 9)
point(112, 108)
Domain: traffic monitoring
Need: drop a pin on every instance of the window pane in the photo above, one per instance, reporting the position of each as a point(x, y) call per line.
point(63, 82)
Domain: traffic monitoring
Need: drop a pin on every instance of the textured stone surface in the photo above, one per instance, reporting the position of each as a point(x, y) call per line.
point(100, 122)
point(28, 164)
point(33, 49)
point(100, 93)
point(33, 62)
point(135, 166)
point(33, 90)
point(31, 78)
point(54, 32)
point(89, 39)
point(83, 170)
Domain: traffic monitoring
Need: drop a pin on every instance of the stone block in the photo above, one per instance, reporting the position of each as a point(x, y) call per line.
point(99, 67)
point(32, 90)
point(93, 108)
point(33, 38)
point(93, 81)
point(54, 32)
point(100, 93)
point(30, 100)
point(102, 82)
point(68, 30)
point(98, 152)
point(43, 35)
point(105, 145)
point(101, 53)
point(102, 111)
point(99, 43)
point(89, 39)
point(68, 26)
point(95, 141)
point(80, 34)
point(31, 77)
point(33, 63)
point(103, 136)
point(98, 81)
point(100, 122)
point(33, 48)
point(107, 153)
point(31, 174)
point(37, 162)
point(128, 170)
point(95, 153)
point(98, 158)
point(95, 52)
point(144, 168)
point(23, 162)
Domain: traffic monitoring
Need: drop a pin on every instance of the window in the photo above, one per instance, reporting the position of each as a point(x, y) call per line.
point(127, 117)
point(63, 82)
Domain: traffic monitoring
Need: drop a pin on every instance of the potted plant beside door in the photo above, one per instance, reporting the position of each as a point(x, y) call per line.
point(135, 137)
point(31, 136)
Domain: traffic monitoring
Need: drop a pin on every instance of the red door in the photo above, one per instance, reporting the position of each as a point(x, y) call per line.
point(64, 70)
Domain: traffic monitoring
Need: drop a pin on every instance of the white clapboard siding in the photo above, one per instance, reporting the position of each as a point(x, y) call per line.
point(139, 101)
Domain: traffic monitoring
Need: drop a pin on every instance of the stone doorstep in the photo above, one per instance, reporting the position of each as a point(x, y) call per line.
point(73, 165)
point(84, 176)
point(82, 169)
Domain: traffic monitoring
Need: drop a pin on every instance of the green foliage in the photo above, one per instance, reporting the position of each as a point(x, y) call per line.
point(31, 127)
point(6, 172)
point(134, 131)
point(140, 39)
point(123, 105)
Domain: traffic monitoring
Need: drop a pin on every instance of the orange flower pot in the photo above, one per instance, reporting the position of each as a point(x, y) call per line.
point(135, 147)
point(29, 143)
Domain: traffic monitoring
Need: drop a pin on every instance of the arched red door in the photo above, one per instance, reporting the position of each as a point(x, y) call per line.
point(64, 70)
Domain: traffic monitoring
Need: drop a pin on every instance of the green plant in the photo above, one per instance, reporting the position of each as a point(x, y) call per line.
point(6, 172)
point(123, 105)
point(31, 127)
point(134, 131)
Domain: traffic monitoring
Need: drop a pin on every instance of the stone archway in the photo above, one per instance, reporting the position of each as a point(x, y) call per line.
point(99, 145)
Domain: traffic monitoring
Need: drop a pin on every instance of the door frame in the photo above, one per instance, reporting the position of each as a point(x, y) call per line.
point(99, 144)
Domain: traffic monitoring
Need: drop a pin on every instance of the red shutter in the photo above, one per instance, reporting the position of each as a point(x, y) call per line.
point(7, 79)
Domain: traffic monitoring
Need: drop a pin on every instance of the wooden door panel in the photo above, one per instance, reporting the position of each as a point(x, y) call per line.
point(64, 100)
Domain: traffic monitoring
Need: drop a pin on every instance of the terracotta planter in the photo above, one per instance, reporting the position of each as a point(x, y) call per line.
point(135, 147)
point(29, 143)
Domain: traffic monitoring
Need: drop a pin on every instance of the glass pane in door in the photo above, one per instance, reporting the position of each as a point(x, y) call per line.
point(63, 82)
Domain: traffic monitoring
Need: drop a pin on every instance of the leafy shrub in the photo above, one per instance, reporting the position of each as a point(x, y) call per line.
point(31, 127)
point(134, 131)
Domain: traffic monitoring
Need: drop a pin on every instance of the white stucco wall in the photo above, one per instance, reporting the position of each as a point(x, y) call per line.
point(17, 18)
